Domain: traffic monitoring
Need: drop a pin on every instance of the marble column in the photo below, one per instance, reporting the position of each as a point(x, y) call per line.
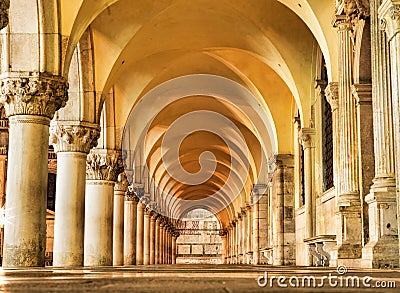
point(283, 218)
point(349, 211)
point(263, 228)
point(389, 12)
point(224, 248)
point(244, 235)
point(240, 238)
point(307, 137)
point(72, 141)
point(130, 218)
point(120, 189)
point(161, 243)
point(146, 236)
point(140, 233)
point(249, 235)
point(237, 239)
point(256, 238)
point(30, 101)
point(174, 237)
point(102, 168)
point(153, 218)
point(157, 241)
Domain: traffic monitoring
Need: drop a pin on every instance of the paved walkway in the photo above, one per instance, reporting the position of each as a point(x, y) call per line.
point(197, 278)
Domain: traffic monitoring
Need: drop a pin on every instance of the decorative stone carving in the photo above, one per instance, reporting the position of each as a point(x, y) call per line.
point(356, 8)
point(131, 196)
point(4, 6)
point(73, 136)
point(103, 164)
point(332, 95)
point(223, 232)
point(394, 12)
point(36, 93)
point(306, 137)
point(122, 183)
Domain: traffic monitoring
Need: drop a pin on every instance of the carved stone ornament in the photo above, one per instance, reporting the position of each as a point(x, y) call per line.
point(131, 196)
point(394, 12)
point(306, 137)
point(332, 95)
point(4, 6)
point(73, 137)
point(103, 164)
point(35, 93)
point(122, 183)
point(356, 9)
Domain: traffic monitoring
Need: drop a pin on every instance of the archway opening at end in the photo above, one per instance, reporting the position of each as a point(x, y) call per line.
point(199, 241)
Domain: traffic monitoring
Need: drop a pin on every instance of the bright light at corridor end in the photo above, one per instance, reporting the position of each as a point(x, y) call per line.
point(205, 156)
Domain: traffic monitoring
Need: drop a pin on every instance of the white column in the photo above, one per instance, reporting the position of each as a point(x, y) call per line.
point(153, 217)
point(101, 174)
point(307, 140)
point(349, 216)
point(146, 237)
point(140, 233)
point(157, 241)
point(389, 12)
point(130, 218)
point(120, 189)
point(174, 248)
point(72, 141)
point(256, 239)
point(249, 235)
point(30, 102)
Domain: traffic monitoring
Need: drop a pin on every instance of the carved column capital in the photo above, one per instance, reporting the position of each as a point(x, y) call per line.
point(4, 6)
point(131, 196)
point(332, 95)
point(389, 13)
point(306, 137)
point(73, 136)
point(33, 93)
point(223, 232)
point(103, 164)
point(122, 183)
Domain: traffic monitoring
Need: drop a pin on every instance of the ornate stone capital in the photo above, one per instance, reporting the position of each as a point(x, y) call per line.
point(122, 183)
point(131, 196)
point(73, 136)
point(33, 93)
point(306, 137)
point(223, 232)
point(332, 95)
point(4, 6)
point(389, 13)
point(103, 164)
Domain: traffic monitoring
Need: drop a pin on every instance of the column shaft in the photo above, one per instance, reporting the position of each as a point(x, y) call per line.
point(70, 209)
point(25, 215)
point(118, 230)
point(152, 239)
point(146, 238)
point(130, 219)
point(99, 223)
point(139, 233)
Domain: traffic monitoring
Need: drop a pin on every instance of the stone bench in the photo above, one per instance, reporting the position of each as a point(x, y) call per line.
point(320, 247)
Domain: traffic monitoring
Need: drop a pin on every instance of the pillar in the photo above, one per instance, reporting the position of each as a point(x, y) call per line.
point(174, 237)
point(30, 101)
point(146, 236)
point(283, 217)
point(349, 211)
point(140, 233)
point(120, 189)
point(249, 235)
point(153, 218)
point(256, 238)
point(389, 12)
point(72, 141)
point(224, 249)
point(157, 241)
point(130, 218)
point(102, 169)
point(307, 137)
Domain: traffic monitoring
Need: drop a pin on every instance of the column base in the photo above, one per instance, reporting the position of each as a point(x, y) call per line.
point(346, 254)
point(381, 254)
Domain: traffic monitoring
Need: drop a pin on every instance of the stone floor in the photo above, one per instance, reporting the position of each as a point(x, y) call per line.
point(194, 278)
